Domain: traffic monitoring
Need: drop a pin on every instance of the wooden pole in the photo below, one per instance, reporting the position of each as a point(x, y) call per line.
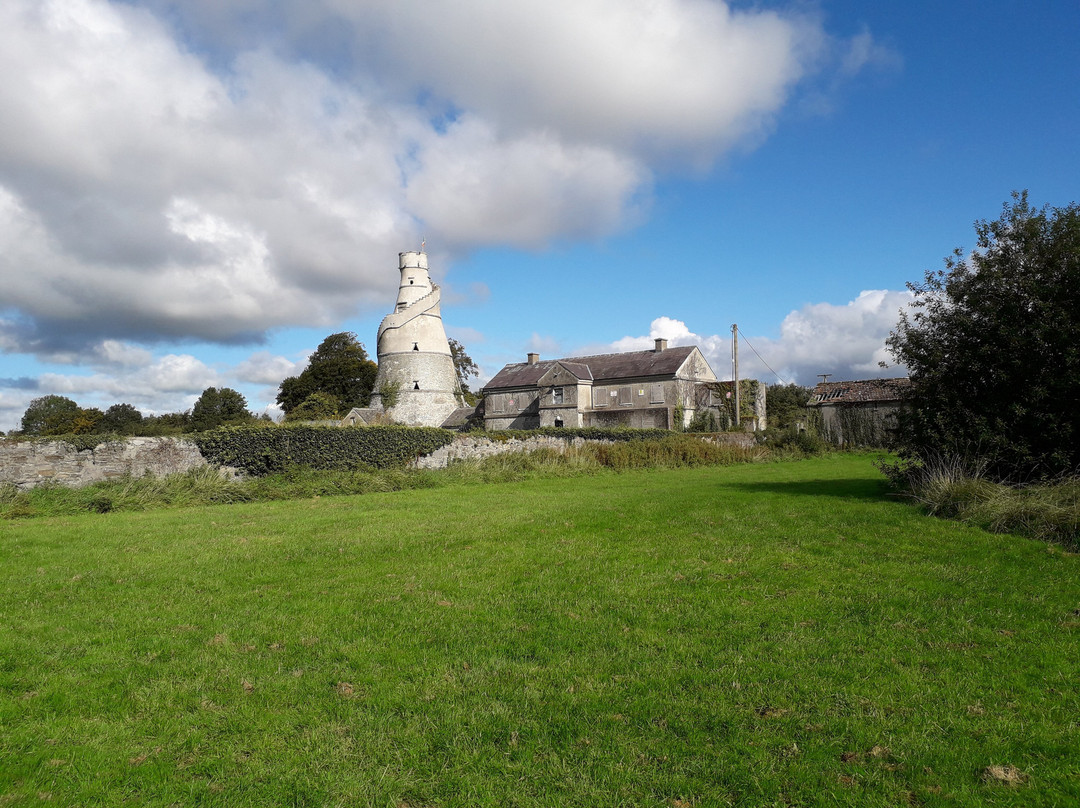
point(735, 368)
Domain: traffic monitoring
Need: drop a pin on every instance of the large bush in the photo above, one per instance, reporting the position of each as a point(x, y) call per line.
point(993, 349)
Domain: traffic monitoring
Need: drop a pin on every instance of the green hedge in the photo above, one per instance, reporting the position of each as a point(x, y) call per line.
point(262, 450)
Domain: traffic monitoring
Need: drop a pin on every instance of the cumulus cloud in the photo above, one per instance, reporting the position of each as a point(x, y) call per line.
point(847, 341)
point(263, 367)
point(168, 180)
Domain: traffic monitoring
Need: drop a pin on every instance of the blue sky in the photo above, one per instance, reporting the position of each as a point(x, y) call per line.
point(194, 194)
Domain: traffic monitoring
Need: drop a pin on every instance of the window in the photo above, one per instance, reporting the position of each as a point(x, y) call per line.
point(416, 385)
point(656, 394)
point(600, 398)
point(415, 347)
point(556, 395)
point(558, 422)
point(626, 396)
point(401, 306)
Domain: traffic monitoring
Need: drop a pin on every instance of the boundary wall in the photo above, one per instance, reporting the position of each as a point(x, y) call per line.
point(27, 464)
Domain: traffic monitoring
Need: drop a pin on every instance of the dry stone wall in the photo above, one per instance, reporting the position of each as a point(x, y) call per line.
point(26, 464)
point(475, 447)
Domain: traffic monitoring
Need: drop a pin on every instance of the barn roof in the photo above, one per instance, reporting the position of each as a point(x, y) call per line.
point(859, 392)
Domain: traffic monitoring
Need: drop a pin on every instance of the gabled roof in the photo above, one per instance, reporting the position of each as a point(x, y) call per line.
point(600, 368)
point(859, 392)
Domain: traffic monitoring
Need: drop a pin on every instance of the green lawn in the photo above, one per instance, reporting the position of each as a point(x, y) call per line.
point(768, 634)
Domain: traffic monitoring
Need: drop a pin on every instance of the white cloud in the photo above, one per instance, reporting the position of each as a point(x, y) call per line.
point(547, 346)
point(154, 186)
point(263, 367)
point(846, 340)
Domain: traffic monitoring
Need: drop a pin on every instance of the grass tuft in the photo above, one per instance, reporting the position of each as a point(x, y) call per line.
point(955, 488)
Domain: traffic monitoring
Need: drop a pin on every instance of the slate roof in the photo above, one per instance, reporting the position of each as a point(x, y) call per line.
point(859, 392)
point(600, 368)
point(458, 417)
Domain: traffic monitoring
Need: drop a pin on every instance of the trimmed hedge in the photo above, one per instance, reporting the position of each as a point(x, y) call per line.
point(267, 449)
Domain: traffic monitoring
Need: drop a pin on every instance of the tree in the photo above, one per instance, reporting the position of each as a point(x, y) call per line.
point(339, 367)
point(87, 421)
point(50, 415)
point(465, 367)
point(993, 348)
point(316, 407)
point(785, 404)
point(122, 418)
point(217, 406)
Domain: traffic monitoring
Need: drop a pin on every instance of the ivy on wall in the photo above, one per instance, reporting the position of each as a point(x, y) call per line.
point(261, 450)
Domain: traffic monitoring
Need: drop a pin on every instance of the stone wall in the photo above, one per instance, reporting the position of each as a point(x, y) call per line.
point(27, 464)
point(472, 447)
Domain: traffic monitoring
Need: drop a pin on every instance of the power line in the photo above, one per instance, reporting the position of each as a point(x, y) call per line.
point(759, 356)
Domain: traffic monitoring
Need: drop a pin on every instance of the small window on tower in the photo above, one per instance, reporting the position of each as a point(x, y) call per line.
point(416, 385)
point(410, 280)
point(415, 346)
point(401, 306)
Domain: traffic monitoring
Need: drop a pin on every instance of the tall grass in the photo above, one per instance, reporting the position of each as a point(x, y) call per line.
point(955, 488)
point(205, 486)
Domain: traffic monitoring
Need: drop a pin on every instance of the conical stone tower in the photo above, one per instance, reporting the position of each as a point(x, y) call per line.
point(416, 383)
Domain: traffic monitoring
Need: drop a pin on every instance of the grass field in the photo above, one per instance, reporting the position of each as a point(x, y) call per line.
point(767, 634)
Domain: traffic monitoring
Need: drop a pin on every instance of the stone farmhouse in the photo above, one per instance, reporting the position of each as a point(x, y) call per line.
point(859, 413)
point(643, 389)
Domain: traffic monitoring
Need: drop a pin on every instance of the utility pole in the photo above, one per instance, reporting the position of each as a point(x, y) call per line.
point(735, 367)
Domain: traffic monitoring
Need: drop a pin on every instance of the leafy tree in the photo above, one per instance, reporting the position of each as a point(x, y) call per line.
point(217, 406)
point(316, 407)
point(50, 415)
point(168, 423)
point(785, 404)
point(993, 348)
point(87, 421)
point(339, 367)
point(122, 418)
point(466, 368)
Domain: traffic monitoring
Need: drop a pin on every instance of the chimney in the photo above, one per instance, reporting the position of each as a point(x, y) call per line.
point(661, 345)
point(534, 358)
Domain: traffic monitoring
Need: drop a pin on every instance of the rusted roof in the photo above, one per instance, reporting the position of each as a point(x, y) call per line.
point(858, 392)
point(601, 368)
